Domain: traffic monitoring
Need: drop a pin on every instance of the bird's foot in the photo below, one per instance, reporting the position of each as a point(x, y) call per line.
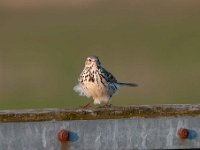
point(87, 105)
point(84, 107)
point(106, 106)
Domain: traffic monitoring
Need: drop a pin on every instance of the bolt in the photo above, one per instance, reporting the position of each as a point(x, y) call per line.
point(183, 133)
point(63, 135)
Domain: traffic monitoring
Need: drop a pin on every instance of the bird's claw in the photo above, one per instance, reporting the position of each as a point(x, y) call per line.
point(85, 106)
point(106, 106)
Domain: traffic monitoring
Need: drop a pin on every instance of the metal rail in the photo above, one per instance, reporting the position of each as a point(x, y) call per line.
point(115, 128)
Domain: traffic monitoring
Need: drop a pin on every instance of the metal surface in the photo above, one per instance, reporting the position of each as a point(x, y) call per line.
point(151, 127)
point(135, 133)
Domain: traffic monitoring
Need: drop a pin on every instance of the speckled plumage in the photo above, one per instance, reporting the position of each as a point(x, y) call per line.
point(97, 82)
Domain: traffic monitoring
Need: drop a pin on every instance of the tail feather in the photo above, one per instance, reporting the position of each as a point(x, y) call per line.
point(128, 84)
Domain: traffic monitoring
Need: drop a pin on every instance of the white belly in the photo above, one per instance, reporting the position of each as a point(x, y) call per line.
point(98, 93)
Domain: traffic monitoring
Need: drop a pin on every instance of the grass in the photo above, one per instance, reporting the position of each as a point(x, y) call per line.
point(155, 45)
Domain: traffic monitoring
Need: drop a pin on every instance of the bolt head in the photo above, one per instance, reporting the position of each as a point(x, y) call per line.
point(183, 133)
point(63, 135)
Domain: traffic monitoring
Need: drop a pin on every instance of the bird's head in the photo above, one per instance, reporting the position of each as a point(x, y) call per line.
point(92, 61)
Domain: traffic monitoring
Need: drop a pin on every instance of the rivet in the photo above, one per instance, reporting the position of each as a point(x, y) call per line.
point(183, 133)
point(63, 135)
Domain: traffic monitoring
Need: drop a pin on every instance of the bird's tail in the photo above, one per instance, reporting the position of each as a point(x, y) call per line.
point(128, 84)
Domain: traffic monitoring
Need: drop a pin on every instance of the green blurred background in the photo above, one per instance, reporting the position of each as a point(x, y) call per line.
point(43, 46)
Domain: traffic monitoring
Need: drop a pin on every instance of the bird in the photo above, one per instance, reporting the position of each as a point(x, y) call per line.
point(96, 82)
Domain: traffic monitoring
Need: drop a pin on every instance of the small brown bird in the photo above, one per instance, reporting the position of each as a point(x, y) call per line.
point(97, 82)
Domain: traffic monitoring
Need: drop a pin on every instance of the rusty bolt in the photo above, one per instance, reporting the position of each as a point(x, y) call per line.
point(183, 133)
point(63, 135)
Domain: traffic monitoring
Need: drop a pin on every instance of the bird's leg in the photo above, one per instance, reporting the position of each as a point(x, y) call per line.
point(107, 105)
point(88, 104)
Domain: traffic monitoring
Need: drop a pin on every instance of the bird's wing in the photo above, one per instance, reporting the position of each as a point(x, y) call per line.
point(108, 76)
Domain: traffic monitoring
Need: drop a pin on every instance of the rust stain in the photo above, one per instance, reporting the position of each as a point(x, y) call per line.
point(183, 133)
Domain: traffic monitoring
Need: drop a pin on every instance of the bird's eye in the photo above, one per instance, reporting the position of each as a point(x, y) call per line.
point(89, 60)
